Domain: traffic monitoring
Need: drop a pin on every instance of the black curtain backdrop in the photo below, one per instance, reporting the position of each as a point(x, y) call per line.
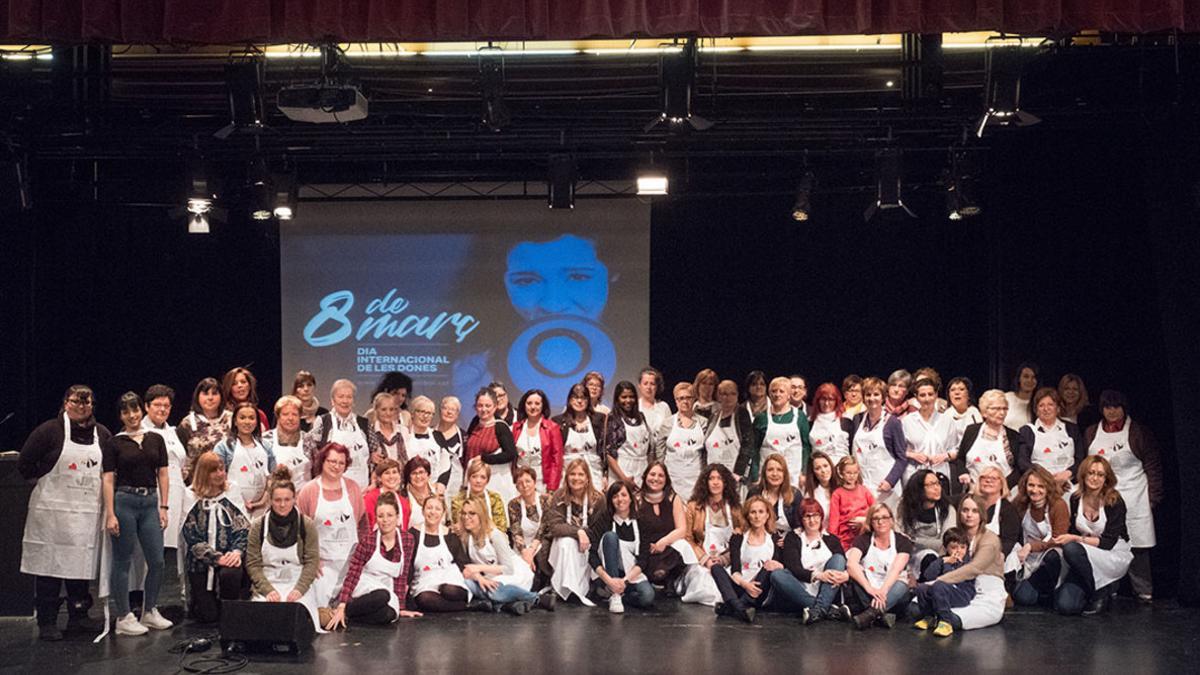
point(1084, 262)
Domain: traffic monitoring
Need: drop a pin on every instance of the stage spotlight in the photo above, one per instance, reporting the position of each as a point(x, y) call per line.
point(286, 196)
point(246, 111)
point(1002, 89)
point(889, 188)
point(495, 114)
point(258, 184)
point(676, 81)
point(198, 223)
point(560, 182)
point(200, 197)
point(652, 182)
point(802, 209)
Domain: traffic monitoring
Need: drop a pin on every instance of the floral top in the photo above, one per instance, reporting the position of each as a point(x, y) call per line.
point(200, 435)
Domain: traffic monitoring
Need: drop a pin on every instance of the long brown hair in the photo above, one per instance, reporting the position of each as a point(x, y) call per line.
point(1053, 491)
point(1108, 491)
point(785, 492)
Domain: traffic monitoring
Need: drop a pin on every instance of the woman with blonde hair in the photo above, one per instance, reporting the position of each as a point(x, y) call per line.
point(286, 441)
point(776, 487)
point(1096, 551)
point(878, 441)
point(495, 572)
point(705, 388)
point(478, 476)
point(753, 557)
point(784, 430)
point(569, 531)
point(215, 534)
point(988, 443)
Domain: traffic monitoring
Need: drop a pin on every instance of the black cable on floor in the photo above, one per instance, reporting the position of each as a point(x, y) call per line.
point(216, 664)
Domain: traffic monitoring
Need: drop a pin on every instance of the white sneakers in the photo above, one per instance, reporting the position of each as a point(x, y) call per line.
point(129, 625)
point(615, 605)
point(153, 619)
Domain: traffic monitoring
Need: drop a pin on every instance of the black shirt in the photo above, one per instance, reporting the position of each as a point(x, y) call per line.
point(135, 465)
point(44, 445)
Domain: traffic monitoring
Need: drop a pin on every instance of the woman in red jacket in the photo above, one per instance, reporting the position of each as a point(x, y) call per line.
point(539, 440)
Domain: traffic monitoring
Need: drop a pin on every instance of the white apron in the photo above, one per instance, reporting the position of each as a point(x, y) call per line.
point(248, 473)
point(683, 455)
point(753, 558)
point(520, 576)
point(821, 494)
point(452, 453)
point(631, 456)
point(426, 447)
point(784, 439)
point(929, 438)
point(829, 437)
point(433, 567)
point(583, 445)
point(1131, 482)
point(875, 460)
point(697, 585)
point(813, 556)
point(337, 533)
point(1053, 449)
point(529, 453)
point(62, 529)
point(1035, 531)
point(987, 607)
point(629, 549)
point(281, 567)
point(985, 452)
point(379, 574)
point(724, 446)
point(529, 528)
point(1109, 565)
point(501, 480)
point(176, 458)
point(716, 537)
point(355, 440)
point(878, 561)
point(293, 457)
point(572, 573)
point(1011, 562)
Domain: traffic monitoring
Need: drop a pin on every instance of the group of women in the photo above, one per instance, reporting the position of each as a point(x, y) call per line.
point(861, 502)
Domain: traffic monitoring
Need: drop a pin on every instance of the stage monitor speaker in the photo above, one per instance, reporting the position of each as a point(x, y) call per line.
point(265, 626)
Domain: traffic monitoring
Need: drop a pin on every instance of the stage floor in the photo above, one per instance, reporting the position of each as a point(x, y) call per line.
point(672, 638)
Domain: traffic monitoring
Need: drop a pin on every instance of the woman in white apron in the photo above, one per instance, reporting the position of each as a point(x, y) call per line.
point(1000, 516)
point(1050, 442)
point(989, 443)
point(215, 534)
point(247, 460)
point(594, 381)
point(207, 423)
point(158, 409)
point(814, 566)
point(1044, 515)
point(478, 479)
point(385, 436)
point(63, 526)
point(752, 559)
point(343, 427)
point(649, 388)
point(539, 441)
point(375, 591)
point(438, 584)
point(730, 436)
point(830, 431)
point(136, 489)
point(779, 491)
point(450, 438)
point(961, 412)
point(927, 433)
point(820, 484)
point(1133, 453)
point(423, 443)
point(1097, 550)
point(582, 432)
point(924, 515)
point(283, 553)
point(492, 441)
point(877, 562)
point(784, 431)
point(879, 446)
point(629, 440)
point(330, 500)
point(681, 444)
point(984, 565)
point(617, 559)
point(569, 532)
point(495, 572)
point(416, 487)
point(712, 515)
point(389, 479)
point(286, 441)
point(525, 517)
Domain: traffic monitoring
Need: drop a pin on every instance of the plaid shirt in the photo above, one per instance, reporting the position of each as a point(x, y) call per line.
point(362, 554)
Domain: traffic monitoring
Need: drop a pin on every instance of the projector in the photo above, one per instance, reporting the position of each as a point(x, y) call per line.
point(322, 104)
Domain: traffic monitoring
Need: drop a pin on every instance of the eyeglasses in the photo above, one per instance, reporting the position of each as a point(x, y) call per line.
point(82, 402)
point(336, 462)
point(880, 519)
point(422, 412)
point(812, 515)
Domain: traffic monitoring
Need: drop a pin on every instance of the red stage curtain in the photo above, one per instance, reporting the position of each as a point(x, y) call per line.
point(234, 21)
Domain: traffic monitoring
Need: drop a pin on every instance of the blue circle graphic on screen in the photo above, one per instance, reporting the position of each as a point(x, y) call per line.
point(556, 352)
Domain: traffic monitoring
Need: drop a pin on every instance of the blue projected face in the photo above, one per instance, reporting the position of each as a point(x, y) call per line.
point(557, 277)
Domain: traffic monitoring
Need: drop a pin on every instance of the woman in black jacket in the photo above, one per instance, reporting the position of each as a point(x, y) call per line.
point(1096, 550)
point(988, 443)
point(814, 565)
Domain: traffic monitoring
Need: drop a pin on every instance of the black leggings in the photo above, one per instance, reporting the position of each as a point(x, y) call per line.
point(47, 590)
point(447, 598)
point(736, 596)
point(371, 608)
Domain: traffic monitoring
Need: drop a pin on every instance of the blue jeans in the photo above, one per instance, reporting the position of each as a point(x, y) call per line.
point(898, 597)
point(1041, 583)
point(504, 594)
point(137, 516)
point(640, 594)
point(787, 587)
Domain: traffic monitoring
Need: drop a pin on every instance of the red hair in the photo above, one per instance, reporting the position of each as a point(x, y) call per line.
point(319, 461)
point(826, 390)
point(809, 505)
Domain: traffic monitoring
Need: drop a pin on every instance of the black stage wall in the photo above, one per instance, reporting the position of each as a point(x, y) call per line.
point(1084, 261)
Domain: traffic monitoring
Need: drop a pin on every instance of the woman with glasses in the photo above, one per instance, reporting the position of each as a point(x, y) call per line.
point(878, 563)
point(423, 443)
point(62, 529)
point(335, 503)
